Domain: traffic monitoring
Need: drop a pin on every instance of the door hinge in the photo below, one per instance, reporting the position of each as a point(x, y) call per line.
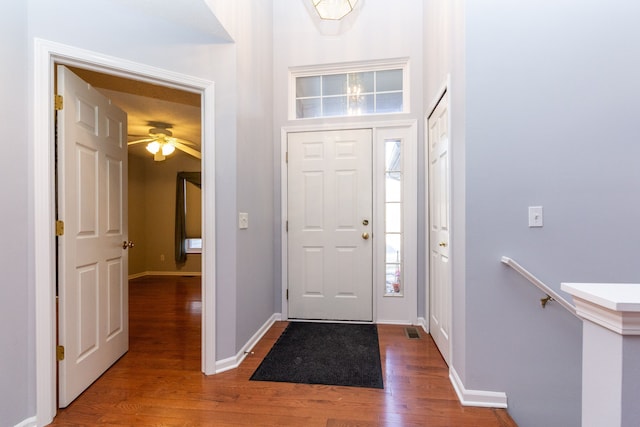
point(59, 228)
point(287, 294)
point(286, 157)
point(58, 102)
point(60, 353)
point(286, 226)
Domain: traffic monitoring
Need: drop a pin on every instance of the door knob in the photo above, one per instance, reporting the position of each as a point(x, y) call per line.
point(128, 244)
point(442, 244)
point(365, 235)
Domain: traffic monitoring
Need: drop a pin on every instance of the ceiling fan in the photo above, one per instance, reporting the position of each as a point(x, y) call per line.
point(161, 142)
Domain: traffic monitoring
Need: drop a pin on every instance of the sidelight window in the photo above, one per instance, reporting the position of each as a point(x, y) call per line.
point(393, 217)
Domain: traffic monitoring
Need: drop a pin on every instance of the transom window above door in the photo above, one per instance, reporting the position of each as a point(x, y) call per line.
point(350, 90)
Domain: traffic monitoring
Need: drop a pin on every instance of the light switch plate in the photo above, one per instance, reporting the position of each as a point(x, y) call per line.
point(535, 216)
point(243, 220)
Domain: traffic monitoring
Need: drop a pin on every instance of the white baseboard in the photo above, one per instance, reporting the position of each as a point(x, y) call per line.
point(164, 273)
point(486, 399)
point(235, 361)
point(29, 422)
point(423, 322)
point(393, 322)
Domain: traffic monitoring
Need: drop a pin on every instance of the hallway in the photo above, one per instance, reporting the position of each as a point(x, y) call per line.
point(158, 382)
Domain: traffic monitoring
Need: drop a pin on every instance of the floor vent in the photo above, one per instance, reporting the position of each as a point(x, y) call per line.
point(412, 333)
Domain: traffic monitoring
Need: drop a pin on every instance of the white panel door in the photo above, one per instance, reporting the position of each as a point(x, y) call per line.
point(439, 228)
point(92, 259)
point(330, 267)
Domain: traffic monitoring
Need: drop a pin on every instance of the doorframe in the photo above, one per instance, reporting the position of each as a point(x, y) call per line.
point(375, 126)
point(46, 55)
point(444, 91)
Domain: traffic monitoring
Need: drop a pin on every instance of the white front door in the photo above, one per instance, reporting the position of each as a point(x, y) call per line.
point(439, 229)
point(330, 267)
point(93, 322)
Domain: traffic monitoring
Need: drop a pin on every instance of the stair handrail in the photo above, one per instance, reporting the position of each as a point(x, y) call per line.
point(551, 294)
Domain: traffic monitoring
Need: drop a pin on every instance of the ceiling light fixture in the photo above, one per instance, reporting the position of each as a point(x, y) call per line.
point(161, 142)
point(334, 10)
point(161, 148)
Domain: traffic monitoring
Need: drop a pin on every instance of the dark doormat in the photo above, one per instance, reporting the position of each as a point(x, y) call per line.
point(324, 353)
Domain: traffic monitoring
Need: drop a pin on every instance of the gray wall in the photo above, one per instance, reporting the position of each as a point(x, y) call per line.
point(550, 98)
point(17, 387)
point(112, 27)
point(253, 35)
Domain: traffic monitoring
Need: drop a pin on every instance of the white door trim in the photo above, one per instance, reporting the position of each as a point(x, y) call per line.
point(445, 90)
point(376, 126)
point(42, 148)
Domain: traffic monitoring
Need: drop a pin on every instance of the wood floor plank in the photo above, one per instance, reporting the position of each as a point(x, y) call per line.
point(159, 383)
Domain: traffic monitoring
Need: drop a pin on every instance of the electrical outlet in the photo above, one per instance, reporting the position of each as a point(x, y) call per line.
point(243, 220)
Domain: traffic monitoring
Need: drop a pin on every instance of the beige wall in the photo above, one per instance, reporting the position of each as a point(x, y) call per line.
point(137, 213)
point(152, 192)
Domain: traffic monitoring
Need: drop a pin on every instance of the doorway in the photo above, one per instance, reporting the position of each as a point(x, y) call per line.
point(330, 221)
point(392, 226)
point(46, 55)
point(103, 123)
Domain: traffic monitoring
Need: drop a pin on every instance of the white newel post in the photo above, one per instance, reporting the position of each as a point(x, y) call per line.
point(610, 352)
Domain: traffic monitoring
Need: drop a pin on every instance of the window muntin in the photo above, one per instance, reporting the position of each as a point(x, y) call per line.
point(359, 92)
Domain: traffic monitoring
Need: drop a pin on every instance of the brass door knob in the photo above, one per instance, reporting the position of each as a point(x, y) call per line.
point(365, 235)
point(128, 244)
point(442, 244)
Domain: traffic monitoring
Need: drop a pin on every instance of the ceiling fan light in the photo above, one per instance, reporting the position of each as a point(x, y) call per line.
point(153, 147)
point(167, 149)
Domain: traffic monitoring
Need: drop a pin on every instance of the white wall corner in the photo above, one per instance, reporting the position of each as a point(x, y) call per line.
point(486, 399)
point(234, 361)
point(29, 422)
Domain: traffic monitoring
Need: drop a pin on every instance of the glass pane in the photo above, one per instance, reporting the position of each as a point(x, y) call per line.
point(335, 84)
point(362, 104)
point(361, 82)
point(393, 279)
point(388, 80)
point(393, 218)
point(392, 155)
point(393, 187)
point(308, 108)
point(334, 106)
point(389, 102)
point(394, 246)
point(307, 86)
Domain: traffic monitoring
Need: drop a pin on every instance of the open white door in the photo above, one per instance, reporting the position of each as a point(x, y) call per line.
point(330, 264)
point(439, 229)
point(93, 322)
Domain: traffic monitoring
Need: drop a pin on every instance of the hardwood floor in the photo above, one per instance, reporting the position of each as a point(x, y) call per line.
point(159, 383)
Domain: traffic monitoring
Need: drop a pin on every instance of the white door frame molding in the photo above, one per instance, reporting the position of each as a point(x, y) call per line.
point(376, 126)
point(42, 149)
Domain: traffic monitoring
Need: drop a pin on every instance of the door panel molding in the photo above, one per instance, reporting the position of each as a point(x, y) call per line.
point(330, 263)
